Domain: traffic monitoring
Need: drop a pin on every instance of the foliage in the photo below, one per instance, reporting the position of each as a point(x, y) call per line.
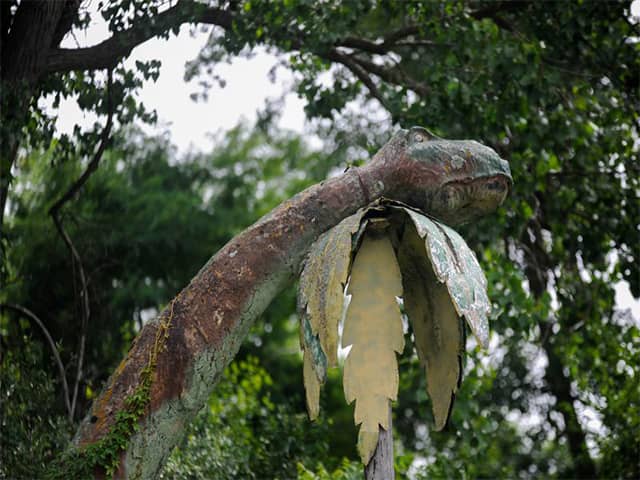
point(552, 86)
point(143, 226)
point(31, 435)
point(241, 433)
point(346, 471)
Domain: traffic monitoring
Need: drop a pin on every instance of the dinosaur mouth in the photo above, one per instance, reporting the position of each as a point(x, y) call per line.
point(461, 201)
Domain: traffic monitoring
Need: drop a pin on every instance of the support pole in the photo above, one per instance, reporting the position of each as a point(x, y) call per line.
point(380, 467)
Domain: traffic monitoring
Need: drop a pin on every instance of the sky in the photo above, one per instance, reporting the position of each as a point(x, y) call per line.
point(192, 124)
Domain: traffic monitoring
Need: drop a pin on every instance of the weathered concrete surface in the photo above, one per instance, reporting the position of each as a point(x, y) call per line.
point(212, 315)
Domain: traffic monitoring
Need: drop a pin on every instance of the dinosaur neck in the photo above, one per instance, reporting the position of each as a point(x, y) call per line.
point(211, 316)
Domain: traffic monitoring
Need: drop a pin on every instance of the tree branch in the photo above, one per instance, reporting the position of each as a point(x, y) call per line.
point(396, 35)
point(109, 52)
point(364, 45)
point(422, 43)
point(537, 270)
point(54, 211)
point(392, 75)
point(56, 356)
point(386, 45)
point(95, 161)
point(358, 71)
point(85, 308)
point(65, 23)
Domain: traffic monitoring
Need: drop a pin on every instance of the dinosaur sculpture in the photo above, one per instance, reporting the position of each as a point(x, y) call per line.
point(176, 360)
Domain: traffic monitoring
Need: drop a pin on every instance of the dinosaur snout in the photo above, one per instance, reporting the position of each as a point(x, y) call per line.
point(499, 183)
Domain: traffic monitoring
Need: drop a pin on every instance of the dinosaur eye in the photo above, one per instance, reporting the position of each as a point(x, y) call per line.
point(418, 137)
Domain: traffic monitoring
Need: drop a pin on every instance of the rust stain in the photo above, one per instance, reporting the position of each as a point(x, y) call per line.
point(121, 366)
point(100, 409)
point(111, 400)
point(172, 360)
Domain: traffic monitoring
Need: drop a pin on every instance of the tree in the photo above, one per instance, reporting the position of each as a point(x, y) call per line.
point(552, 87)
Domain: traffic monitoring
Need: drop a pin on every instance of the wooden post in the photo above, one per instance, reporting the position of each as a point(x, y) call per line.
point(380, 467)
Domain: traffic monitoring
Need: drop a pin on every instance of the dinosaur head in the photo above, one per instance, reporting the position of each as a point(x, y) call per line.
point(454, 180)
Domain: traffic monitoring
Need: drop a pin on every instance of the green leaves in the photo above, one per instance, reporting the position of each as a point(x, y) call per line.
point(244, 432)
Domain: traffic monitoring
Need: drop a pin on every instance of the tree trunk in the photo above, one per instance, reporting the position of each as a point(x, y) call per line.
point(560, 386)
point(558, 383)
point(38, 26)
point(185, 350)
